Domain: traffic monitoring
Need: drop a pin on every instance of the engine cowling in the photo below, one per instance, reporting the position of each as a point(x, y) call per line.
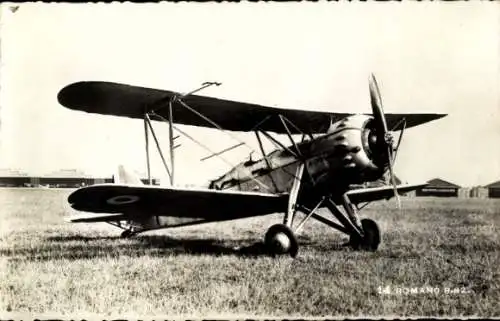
point(354, 151)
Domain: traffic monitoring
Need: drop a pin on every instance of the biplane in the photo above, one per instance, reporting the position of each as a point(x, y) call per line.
point(333, 161)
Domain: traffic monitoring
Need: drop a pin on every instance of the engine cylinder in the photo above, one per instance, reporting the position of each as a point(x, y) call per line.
point(356, 151)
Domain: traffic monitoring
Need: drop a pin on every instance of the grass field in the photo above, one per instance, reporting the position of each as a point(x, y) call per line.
point(438, 257)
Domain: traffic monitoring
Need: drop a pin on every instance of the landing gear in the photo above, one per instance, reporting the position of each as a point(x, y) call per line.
point(280, 239)
point(370, 239)
point(364, 234)
point(129, 229)
point(127, 234)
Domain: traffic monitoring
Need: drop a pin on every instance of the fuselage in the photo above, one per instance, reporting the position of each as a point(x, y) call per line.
point(348, 153)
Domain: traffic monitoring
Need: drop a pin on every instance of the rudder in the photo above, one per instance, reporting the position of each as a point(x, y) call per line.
point(124, 176)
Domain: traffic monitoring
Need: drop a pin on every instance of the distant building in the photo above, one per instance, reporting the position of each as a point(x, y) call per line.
point(464, 192)
point(101, 180)
point(440, 188)
point(66, 178)
point(479, 192)
point(384, 181)
point(411, 194)
point(14, 178)
point(493, 189)
point(6, 181)
point(145, 179)
point(154, 181)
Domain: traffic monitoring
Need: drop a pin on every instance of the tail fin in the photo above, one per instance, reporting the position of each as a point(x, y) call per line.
point(126, 177)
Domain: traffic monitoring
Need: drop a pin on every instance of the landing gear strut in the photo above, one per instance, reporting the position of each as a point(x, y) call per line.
point(280, 238)
point(364, 235)
point(370, 239)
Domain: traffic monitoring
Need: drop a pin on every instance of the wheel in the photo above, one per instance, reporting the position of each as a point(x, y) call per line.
point(370, 241)
point(280, 239)
point(126, 234)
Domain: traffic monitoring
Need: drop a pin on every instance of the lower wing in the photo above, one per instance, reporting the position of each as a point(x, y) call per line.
point(136, 201)
point(378, 193)
point(97, 218)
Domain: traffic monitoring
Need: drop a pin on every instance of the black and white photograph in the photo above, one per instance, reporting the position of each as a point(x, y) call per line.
point(249, 160)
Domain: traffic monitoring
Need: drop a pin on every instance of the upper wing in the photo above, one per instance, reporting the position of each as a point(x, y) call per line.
point(131, 101)
point(148, 200)
point(378, 193)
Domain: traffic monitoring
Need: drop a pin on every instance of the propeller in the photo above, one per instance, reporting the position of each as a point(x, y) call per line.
point(383, 134)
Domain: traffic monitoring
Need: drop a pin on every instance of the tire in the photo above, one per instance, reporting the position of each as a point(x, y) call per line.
point(280, 239)
point(126, 234)
point(371, 239)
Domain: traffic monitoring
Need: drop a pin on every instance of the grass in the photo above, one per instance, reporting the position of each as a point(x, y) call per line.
point(52, 267)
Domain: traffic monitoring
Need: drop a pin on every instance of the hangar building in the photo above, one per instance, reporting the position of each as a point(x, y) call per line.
point(493, 189)
point(68, 178)
point(440, 188)
point(479, 192)
point(13, 178)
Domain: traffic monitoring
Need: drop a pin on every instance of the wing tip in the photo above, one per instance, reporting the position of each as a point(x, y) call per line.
point(70, 94)
point(438, 116)
point(414, 120)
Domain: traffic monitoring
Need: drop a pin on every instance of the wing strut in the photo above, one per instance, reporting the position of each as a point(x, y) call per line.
point(146, 137)
point(178, 98)
point(289, 134)
point(171, 140)
point(297, 153)
point(279, 144)
point(175, 99)
point(294, 193)
point(148, 121)
point(261, 146)
point(221, 152)
point(208, 149)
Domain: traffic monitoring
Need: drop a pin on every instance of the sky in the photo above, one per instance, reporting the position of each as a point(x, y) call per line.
point(428, 58)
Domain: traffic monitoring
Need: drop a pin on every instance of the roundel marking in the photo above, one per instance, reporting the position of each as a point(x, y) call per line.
point(123, 199)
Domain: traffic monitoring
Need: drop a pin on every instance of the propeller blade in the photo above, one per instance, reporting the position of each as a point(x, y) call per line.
point(399, 142)
point(377, 108)
point(393, 180)
point(382, 131)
